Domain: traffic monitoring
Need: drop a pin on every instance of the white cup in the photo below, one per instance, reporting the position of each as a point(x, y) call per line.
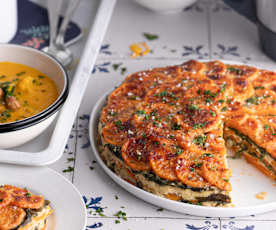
point(8, 20)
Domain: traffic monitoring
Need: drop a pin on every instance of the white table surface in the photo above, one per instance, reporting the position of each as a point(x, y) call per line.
point(208, 30)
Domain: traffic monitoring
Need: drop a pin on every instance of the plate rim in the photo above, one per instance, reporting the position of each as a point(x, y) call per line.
point(54, 173)
point(168, 204)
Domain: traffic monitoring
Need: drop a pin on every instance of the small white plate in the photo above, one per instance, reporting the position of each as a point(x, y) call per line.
point(246, 181)
point(69, 209)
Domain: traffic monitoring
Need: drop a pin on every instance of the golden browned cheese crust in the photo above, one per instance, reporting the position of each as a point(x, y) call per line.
point(169, 121)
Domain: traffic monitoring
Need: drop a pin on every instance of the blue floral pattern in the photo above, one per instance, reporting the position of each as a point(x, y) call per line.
point(105, 49)
point(83, 127)
point(96, 225)
point(93, 203)
point(41, 31)
point(231, 226)
point(226, 51)
point(208, 225)
point(189, 50)
point(101, 68)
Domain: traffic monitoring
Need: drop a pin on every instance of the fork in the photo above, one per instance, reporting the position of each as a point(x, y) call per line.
point(57, 47)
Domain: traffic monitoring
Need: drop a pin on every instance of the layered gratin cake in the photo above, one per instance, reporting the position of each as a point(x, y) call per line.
point(166, 130)
point(22, 210)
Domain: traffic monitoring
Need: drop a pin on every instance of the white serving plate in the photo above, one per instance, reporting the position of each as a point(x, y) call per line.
point(246, 181)
point(53, 150)
point(67, 203)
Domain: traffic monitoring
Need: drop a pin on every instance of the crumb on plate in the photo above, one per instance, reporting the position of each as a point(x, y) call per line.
point(261, 195)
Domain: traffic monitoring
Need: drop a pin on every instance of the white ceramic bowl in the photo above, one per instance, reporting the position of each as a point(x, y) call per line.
point(19, 132)
point(166, 6)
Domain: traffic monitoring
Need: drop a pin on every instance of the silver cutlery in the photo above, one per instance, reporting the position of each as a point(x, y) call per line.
point(56, 46)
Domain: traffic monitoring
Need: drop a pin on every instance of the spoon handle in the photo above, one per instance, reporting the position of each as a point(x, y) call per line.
point(72, 5)
point(54, 7)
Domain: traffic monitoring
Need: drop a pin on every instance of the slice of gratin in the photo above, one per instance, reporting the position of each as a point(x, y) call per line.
point(254, 137)
point(23, 210)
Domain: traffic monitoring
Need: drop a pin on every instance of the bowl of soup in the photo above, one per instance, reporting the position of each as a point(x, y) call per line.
point(33, 87)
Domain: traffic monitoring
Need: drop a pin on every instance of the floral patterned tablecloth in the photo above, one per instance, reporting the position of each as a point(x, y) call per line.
point(207, 30)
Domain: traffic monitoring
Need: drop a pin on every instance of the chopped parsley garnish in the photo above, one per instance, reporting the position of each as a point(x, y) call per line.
point(20, 73)
point(28, 194)
point(5, 114)
point(147, 116)
point(171, 136)
point(209, 93)
point(69, 169)
point(198, 91)
point(223, 87)
point(70, 159)
point(208, 101)
point(229, 100)
point(150, 36)
point(224, 109)
point(197, 165)
point(140, 112)
point(40, 76)
point(119, 124)
point(272, 130)
point(179, 150)
point(208, 155)
point(156, 143)
point(116, 66)
point(234, 70)
point(213, 114)
point(221, 101)
point(266, 127)
point(121, 214)
point(259, 87)
point(193, 107)
point(123, 70)
point(163, 93)
point(175, 126)
point(133, 97)
point(99, 211)
point(199, 125)
point(200, 140)
point(253, 100)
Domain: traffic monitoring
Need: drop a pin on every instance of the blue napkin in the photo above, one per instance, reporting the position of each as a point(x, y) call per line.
point(33, 26)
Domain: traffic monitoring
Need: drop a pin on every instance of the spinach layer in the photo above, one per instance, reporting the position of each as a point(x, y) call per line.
point(244, 148)
point(116, 150)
